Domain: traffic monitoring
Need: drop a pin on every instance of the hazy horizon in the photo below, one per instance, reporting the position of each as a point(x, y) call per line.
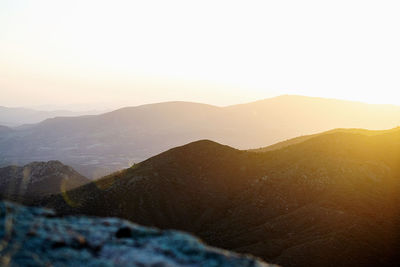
point(98, 108)
point(108, 54)
point(268, 128)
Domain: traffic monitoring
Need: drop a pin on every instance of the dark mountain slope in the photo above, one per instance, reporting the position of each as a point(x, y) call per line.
point(333, 200)
point(38, 179)
point(338, 199)
point(184, 181)
point(98, 145)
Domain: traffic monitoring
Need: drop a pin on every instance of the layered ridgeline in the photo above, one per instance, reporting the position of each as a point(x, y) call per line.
point(98, 145)
point(331, 200)
point(37, 179)
point(12, 117)
point(36, 237)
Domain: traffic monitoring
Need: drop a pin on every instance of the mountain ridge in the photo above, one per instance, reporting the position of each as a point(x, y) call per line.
point(320, 197)
point(17, 116)
point(301, 139)
point(97, 145)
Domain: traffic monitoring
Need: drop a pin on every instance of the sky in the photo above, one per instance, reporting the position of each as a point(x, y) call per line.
point(98, 54)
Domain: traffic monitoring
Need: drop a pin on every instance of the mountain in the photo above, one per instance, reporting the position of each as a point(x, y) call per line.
point(100, 144)
point(38, 179)
point(4, 129)
point(38, 238)
point(13, 117)
point(331, 200)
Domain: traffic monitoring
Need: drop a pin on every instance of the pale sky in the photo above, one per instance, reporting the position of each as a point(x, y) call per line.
point(117, 53)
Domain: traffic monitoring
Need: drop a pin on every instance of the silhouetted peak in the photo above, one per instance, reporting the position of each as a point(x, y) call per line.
point(199, 147)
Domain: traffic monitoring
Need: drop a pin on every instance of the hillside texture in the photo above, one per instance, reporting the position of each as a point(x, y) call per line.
point(98, 145)
point(332, 200)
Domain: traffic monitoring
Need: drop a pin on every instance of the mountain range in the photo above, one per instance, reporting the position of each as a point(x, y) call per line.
point(96, 145)
point(17, 116)
point(332, 199)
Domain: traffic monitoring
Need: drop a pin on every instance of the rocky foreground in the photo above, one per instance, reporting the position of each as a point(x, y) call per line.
point(36, 237)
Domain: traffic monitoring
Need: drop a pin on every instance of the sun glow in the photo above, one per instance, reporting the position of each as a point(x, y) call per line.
point(219, 52)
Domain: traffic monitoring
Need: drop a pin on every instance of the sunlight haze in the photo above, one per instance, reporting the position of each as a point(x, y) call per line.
point(267, 133)
point(118, 53)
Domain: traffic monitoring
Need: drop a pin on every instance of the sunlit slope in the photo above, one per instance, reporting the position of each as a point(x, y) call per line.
point(300, 113)
point(98, 145)
point(301, 139)
point(332, 200)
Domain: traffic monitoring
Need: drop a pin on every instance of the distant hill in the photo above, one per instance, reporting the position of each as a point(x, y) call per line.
point(4, 129)
point(331, 200)
point(100, 144)
point(13, 117)
point(37, 179)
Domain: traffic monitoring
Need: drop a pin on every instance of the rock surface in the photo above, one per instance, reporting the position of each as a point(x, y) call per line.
point(36, 237)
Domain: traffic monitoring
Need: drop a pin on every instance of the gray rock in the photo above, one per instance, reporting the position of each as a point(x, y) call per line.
point(36, 237)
